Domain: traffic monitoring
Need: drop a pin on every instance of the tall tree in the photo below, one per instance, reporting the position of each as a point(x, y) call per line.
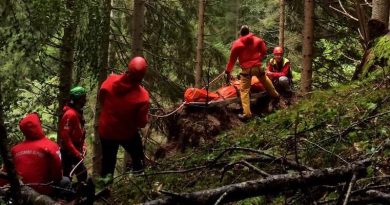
point(200, 43)
point(67, 55)
point(308, 30)
point(138, 28)
point(102, 75)
point(4, 153)
point(237, 25)
point(380, 10)
point(136, 48)
point(282, 8)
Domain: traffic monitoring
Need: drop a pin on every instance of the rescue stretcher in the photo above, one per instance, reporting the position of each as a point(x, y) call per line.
point(224, 95)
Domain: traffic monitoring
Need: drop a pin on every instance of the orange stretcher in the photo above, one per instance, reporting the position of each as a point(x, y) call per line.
point(201, 96)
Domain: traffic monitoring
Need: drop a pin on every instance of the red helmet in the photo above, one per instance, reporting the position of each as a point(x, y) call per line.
point(278, 50)
point(137, 68)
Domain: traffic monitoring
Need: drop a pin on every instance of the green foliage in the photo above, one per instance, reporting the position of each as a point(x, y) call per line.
point(253, 201)
point(340, 121)
point(378, 56)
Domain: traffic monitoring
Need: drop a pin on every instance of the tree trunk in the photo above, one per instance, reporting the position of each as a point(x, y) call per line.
point(199, 46)
point(270, 185)
point(5, 11)
point(14, 181)
point(363, 22)
point(136, 50)
point(67, 57)
point(102, 75)
point(282, 6)
point(307, 67)
point(380, 11)
point(138, 28)
point(237, 26)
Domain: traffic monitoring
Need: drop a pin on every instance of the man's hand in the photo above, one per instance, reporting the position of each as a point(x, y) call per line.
point(84, 149)
point(228, 77)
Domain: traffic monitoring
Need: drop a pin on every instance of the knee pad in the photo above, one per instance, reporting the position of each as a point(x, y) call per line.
point(284, 82)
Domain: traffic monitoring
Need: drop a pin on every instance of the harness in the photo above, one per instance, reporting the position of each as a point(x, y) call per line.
point(278, 67)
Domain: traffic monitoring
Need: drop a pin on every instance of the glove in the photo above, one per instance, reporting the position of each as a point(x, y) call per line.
point(228, 77)
point(84, 149)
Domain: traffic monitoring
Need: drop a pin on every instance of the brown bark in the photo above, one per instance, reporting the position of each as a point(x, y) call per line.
point(270, 185)
point(380, 11)
point(308, 34)
point(237, 26)
point(14, 181)
point(138, 28)
point(136, 49)
point(282, 6)
point(200, 43)
point(363, 21)
point(102, 75)
point(67, 57)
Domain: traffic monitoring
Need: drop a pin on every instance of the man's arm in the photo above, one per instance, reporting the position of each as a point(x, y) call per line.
point(283, 72)
point(143, 114)
point(68, 124)
point(55, 163)
point(262, 49)
point(232, 60)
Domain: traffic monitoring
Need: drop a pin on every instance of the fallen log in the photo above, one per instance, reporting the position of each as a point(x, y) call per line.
point(371, 197)
point(30, 196)
point(270, 185)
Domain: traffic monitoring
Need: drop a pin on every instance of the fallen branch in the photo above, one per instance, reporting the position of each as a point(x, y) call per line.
point(371, 197)
point(351, 183)
point(271, 185)
point(244, 163)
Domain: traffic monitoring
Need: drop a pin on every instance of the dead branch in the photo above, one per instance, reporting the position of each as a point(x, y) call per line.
point(244, 163)
point(371, 197)
point(353, 180)
point(271, 185)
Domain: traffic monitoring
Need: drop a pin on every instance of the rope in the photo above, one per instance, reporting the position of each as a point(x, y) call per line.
point(177, 109)
point(216, 78)
point(78, 164)
point(169, 114)
point(75, 167)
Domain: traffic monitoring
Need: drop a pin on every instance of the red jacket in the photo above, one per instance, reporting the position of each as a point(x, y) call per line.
point(249, 50)
point(72, 132)
point(125, 107)
point(37, 159)
point(276, 70)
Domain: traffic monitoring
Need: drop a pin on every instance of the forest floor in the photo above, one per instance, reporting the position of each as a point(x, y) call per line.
point(325, 129)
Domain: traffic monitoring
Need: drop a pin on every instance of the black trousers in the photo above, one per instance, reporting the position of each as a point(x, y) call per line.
point(110, 150)
point(68, 162)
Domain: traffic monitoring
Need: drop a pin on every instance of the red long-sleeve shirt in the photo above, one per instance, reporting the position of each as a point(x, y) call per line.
point(37, 159)
point(249, 50)
point(72, 132)
point(276, 70)
point(125, 106)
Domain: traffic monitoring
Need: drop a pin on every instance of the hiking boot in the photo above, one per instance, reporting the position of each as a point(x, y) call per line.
point(279, 103)
point(243, 117)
